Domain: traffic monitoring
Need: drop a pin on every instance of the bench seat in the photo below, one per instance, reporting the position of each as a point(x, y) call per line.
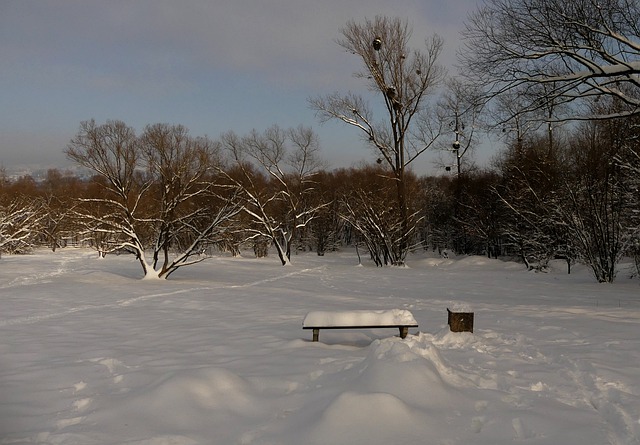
point(395, 318)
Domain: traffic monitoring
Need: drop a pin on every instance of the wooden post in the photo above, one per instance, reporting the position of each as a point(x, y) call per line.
point(404, 330)
point(316, 334)
point(460, 321)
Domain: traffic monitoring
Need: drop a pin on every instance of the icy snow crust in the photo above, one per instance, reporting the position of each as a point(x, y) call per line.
point(90, 354)
point(393, 317)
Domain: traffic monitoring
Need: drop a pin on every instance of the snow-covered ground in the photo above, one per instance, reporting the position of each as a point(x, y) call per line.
point(91, 354)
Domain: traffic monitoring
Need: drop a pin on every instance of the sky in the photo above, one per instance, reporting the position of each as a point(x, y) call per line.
point(210, 65)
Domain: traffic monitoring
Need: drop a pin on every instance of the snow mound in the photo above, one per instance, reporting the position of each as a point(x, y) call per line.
point(399, 390)
point(200, 390)
point(391, 317)
point(412, 370)
point(185, 401)
point(363, 418)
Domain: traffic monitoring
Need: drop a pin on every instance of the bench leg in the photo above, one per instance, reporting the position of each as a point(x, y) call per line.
point(404, 331)
point(316, 334)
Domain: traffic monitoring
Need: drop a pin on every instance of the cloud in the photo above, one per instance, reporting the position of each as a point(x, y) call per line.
point(189, 62)
point(274, 40)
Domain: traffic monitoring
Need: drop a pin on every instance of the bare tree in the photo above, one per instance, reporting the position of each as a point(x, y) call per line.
point(149, 188)
point(575, 49)
point(275, 172)
point(601, 204)
point(631, 166)
point(181, 168)
point(112, 152)
point(404, 79)
point(59, 195)
point(578, 201)
point(20, 223)
point(460, 107)
point(526, 196)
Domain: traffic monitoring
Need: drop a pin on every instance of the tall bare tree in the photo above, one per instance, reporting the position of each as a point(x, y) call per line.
point(404, 80)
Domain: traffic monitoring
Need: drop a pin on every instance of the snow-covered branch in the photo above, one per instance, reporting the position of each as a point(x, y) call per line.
point(20, 224)
point(275, 171)
point(580, 49)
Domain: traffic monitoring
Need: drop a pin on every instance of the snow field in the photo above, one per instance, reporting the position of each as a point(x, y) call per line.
point(90, 354)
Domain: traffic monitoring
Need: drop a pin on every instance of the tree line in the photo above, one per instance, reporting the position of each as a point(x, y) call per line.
point(171, 199)
point(557, 81)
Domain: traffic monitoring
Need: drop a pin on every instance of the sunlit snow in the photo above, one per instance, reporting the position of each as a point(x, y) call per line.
point(92, 354)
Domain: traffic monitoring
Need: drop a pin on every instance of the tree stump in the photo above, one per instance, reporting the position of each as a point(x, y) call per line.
point(460, 321)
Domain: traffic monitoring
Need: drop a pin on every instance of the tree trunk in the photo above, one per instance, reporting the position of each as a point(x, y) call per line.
point(282, 253)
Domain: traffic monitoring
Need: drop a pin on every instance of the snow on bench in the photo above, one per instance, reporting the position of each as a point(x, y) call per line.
point(394, 318)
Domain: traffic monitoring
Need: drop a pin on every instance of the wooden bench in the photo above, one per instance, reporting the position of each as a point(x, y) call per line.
point(395, 318)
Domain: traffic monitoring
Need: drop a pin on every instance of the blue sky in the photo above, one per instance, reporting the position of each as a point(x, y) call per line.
point(211, 66)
